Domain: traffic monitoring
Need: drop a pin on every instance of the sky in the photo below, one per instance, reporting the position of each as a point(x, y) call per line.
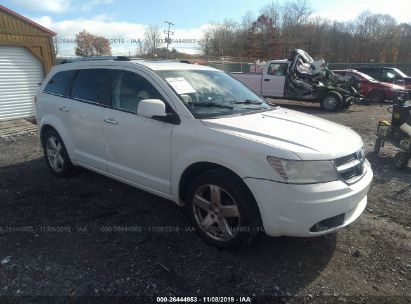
point(124, 21)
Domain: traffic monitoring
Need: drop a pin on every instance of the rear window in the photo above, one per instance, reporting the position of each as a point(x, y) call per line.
point(59, 83)
point(94, 85)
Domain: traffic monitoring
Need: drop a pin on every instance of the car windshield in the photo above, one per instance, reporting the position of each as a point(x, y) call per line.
point(208, 93)
point(401, 73)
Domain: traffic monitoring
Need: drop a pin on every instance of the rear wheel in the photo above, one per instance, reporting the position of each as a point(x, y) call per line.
point(332, 102)
point(377, 96)
point(378, 144)
point(401, 160)
point(222, 209)
point(55, 154)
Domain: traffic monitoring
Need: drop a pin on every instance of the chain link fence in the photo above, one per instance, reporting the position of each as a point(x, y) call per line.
point(232, 64)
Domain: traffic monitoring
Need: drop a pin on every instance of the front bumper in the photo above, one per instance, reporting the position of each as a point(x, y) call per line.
point(300, 210)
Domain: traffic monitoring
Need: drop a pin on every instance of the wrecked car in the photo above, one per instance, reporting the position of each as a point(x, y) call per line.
point(374, 90)
point(302, 78)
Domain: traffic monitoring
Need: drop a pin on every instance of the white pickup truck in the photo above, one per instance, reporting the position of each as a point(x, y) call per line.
point(269, 83)
point(301, 78)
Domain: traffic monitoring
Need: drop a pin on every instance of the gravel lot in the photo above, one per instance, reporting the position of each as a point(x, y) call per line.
point(66, 237)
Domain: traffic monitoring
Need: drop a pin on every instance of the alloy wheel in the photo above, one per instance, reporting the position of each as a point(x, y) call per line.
point(216, 212)
point(54, 154)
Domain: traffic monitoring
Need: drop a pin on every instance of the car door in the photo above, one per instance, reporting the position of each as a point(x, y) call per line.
point(90, 94)
point(138, 148)
point(274, 79)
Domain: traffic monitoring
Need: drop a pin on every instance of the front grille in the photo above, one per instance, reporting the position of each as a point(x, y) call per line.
point(351, 167)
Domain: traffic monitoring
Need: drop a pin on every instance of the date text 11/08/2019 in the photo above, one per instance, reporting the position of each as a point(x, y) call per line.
point(242, 299)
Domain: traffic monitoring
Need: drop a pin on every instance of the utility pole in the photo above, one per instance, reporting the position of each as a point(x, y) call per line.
point(168, 32)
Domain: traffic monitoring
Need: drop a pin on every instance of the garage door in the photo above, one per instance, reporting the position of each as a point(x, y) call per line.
point(20, 73)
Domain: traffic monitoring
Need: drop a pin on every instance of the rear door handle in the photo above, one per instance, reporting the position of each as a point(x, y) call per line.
point(64, 109)
point(111, 121)
point(266, 79)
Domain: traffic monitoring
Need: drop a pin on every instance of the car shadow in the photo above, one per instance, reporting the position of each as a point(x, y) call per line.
point(90, 235)
point(384, 165)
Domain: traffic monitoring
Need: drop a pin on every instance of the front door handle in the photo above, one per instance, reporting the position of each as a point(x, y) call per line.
point(111, 121)
point(266, 79)
point(64, 109)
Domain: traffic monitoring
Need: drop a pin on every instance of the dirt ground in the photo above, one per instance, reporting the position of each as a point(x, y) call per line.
point(88, 235)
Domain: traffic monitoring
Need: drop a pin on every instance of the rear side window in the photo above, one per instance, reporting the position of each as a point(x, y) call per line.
point(93, 85)
point(59, 83)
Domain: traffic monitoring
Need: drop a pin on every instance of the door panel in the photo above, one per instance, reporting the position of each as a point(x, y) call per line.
point(274, 79)
point(138, 148)
point(91, 93)
point(86, 129)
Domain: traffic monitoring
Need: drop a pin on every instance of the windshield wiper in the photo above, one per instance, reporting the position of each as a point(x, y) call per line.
point(248, 101)
point(210, 104)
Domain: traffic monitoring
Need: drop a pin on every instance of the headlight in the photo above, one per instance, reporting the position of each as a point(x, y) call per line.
point(304, 172)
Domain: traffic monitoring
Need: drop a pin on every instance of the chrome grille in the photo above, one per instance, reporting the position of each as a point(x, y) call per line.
point(351, 167)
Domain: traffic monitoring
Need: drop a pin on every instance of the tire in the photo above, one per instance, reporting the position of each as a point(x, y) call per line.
point(55, 154)
point(228, 219)
point(377, 96)
point(378, 144)
point(401, 160)
point(347, 104)
point(332, 102)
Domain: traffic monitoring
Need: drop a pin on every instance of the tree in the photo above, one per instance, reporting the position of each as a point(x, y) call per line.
point(282, 26)
point(91, 45)
point(151, 39)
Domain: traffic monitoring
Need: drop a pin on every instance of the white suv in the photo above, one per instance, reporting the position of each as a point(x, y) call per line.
point(199, 137)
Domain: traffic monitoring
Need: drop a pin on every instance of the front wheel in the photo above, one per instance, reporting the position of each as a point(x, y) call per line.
point(332, 102)
point(401, 160)
point(222, 209)
point(378, 144)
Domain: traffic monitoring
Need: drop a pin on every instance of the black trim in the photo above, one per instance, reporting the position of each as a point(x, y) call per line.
point(171, 118)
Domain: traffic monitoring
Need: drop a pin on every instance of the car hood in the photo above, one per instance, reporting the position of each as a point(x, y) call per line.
point(307, 136)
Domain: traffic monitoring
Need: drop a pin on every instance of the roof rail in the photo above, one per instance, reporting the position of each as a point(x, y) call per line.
point(91, 58)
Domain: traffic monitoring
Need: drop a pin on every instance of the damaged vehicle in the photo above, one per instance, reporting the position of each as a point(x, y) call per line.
point(302, 78)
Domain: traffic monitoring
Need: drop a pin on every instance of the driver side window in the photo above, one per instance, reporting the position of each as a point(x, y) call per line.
point(389, 74)
point(130, 89)
point(277, 69)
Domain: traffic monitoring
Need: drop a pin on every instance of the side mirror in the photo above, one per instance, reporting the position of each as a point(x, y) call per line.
point(151, 107)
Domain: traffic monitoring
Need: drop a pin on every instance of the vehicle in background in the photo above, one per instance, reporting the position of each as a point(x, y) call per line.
point(386, 74)
point(302, 78)
point(374, 90)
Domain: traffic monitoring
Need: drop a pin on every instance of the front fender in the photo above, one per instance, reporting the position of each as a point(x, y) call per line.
point(239, 163)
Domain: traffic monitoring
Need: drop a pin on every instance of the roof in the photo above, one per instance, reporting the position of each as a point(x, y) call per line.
point(171, 65)
point(36, 25)
point(160, 65)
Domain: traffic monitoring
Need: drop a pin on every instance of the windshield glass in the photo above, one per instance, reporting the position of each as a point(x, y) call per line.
point(401, 73)
point(210, 94)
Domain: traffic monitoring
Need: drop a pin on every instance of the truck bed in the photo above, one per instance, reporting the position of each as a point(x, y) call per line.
point(252, 80)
